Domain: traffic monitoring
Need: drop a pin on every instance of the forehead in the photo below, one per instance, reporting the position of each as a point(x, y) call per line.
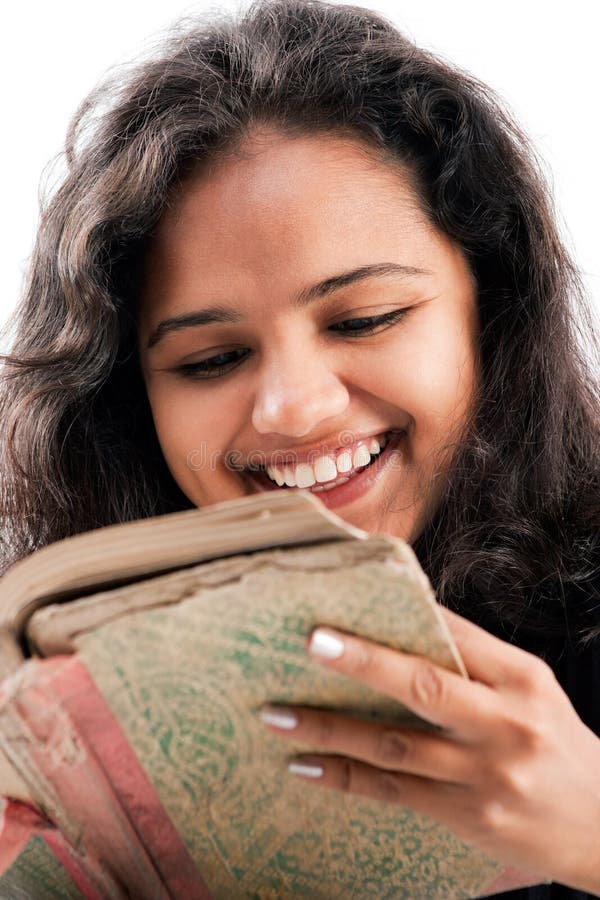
point(278, 213)
point(279, 174)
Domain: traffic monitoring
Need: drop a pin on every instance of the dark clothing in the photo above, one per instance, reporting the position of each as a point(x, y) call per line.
point(544, 892)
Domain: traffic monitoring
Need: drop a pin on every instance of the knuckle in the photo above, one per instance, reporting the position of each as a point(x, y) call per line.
point(392, 747)
point(518, 783)
point(492, 817)
point(537, 676)
point(345, 779)
point(323, 729)
point(512, 781)
point(535, 735)
point(363, 659)
point(427, 686)
point(527, 735)
point(389, 787)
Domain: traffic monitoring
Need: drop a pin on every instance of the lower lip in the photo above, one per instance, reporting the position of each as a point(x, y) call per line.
point(351, 490)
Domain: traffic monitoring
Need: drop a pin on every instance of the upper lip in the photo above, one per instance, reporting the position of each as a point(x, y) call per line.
point(261, 459)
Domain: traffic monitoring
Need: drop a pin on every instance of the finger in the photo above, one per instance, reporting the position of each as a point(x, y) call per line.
point(488, 659)
point(437, 799)
point(468, 708)
point(385, 746)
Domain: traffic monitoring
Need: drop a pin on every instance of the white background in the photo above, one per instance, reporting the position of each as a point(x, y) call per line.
point(541, 57)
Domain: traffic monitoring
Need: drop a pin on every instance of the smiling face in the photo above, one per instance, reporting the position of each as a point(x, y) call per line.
point(280, 369)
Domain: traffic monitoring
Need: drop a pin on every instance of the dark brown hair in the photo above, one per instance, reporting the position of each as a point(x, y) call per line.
point(516, 536)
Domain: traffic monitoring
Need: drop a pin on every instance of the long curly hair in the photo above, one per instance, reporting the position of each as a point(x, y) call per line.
point(516, 536)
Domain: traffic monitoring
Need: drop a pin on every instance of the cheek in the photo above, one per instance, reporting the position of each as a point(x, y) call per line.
point(434, 381)
point(187, 430)
point(192, 435)
point(440, 390)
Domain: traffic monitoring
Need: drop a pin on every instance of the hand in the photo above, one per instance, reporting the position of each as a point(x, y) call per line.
point(514, 771)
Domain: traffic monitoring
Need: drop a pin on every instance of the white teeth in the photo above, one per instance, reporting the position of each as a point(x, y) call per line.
point(361, 457)
point(305, 477)
point(325, 469)
point(328, 487)
point(344, 461)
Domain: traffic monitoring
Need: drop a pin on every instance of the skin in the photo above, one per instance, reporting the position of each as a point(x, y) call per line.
point(251, 233)
point(514, 771)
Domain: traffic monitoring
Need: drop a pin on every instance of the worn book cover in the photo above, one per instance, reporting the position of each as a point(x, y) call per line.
point(147, 772)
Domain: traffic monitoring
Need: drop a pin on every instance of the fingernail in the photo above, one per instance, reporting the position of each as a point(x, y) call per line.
point(325, 644)
point(280, 717)
point(297, 768)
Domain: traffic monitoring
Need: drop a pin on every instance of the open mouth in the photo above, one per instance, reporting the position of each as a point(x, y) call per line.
point(345, 486)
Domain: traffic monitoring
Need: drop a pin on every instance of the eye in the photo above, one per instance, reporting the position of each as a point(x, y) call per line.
point(214, 365)
point(369, 324)
point(218, 365)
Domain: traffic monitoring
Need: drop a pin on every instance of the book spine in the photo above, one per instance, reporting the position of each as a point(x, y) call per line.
point(65, 743)
point(34, 857)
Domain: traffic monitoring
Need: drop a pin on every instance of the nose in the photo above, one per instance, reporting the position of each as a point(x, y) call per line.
point(297, 390)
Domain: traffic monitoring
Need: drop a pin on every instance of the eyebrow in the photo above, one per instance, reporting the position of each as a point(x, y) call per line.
point(216, 314)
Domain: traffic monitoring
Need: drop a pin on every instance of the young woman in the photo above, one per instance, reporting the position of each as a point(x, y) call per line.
point(294, 249)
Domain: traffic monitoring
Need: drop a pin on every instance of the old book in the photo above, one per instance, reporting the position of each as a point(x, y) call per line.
point(135, 660)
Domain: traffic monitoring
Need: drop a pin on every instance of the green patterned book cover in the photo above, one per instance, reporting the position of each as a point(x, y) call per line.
point(159, 683)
